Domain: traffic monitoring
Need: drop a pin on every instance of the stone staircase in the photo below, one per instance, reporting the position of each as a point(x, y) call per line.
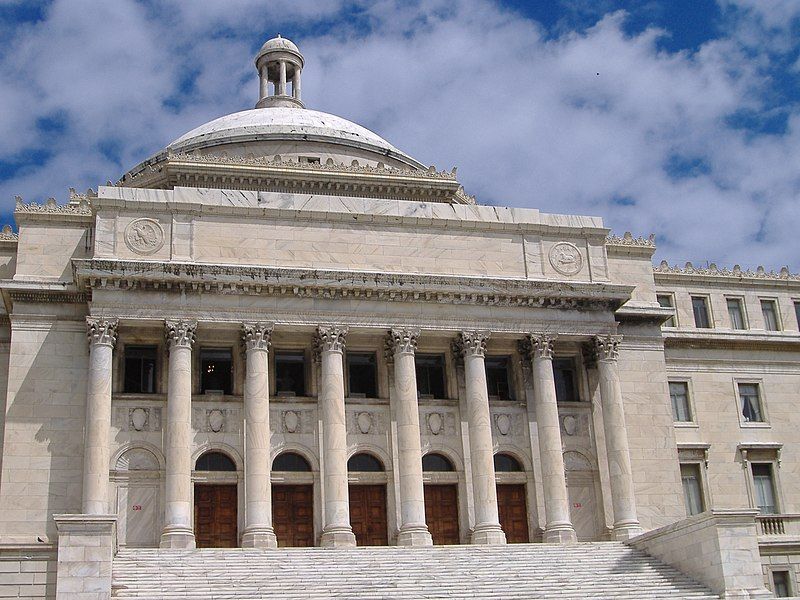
point(519, 571)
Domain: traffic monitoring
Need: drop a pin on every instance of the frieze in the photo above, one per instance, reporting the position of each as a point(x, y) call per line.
point(712, 270)
point(366, 422)
point(216, 420)
point(137, 418)
point(291, 421)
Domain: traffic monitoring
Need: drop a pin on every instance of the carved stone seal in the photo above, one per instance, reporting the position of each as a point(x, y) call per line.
point(144, 236)
point(566, 258)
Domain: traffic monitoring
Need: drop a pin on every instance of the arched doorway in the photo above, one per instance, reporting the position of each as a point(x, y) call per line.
point(367, 493)
point(512, 502)
point(216, 501)
point(137, 475)
point(293, 501)
point(441, 498)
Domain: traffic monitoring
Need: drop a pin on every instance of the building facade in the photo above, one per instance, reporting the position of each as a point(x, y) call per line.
point(299, 335)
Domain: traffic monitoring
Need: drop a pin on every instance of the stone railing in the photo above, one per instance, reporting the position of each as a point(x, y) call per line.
point(786, 526)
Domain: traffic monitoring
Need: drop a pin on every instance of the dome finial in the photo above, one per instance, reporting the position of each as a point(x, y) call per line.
point(279, 63)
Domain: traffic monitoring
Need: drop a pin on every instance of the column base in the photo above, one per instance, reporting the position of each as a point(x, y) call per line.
point(337, 537)
point(488, 534)
point(559, 534)
point(626, 531)
point(259, 537)
point(178, 537)
point(414, 535)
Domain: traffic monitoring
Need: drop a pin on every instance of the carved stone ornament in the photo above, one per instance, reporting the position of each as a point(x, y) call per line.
point(569, 424)
point(101, 331)
point(364, 422)
point(291, 421)
point(138, 418)
point(607, 347)
point(216, 420)
point(435, 423)
point(472, 343)
point(575, 461)
point(503, 423)
point(404, 340)
point(180, 333)
point(144, 236)
point(566, 258)
point(329, 338)
point(540, 346)
point(257, 336)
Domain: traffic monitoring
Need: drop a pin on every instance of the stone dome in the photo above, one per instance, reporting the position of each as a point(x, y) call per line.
point(279, 43)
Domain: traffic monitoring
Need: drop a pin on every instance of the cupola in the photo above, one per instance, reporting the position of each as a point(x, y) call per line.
point(279, 64)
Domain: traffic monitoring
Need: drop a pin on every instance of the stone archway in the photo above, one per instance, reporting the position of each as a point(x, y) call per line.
point(137, 477)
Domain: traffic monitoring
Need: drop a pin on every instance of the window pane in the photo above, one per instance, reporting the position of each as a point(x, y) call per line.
point(430, 376)
point(290, 374)
point(679, 394)
point(665, 301)
point(765, 490)
point(700, 309)
point(140, 369)
point(365, 463)
point(780, 584)
point(361, 370)
point(497, 378)
point(436, 462)
point(692, 491)
point(751, 403)
point(735, 313)
point(506, 463)
point(290, 461)
point(215, 371)
point(214, 461)
point(770, 315)
point(564, 373)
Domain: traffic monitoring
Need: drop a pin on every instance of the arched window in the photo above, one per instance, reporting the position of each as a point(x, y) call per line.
point(364, 463)
point(290, 461)
point(436, 462)
point(215, 461)
point(506, 463)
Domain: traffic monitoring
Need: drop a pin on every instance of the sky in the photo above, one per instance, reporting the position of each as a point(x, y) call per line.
point(674, 117)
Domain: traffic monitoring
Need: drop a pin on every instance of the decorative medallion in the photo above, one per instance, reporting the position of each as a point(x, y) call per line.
point(291, 421)
point(364, 422)
point(138, 418)
point(144, 236)
point(566, 258)
point(503, 423)
point(435, 423)
point(216, 420)
point(570, 425)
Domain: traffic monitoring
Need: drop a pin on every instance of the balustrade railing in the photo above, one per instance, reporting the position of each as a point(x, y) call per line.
point(779, 525)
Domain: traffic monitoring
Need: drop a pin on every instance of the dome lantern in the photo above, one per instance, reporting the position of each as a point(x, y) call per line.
point(279, 63)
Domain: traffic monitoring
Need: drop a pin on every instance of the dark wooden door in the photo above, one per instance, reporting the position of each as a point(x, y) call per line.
point(293, 515)
point(513, 510)
point(215, 516)
point(368, 514)
point(441, 513)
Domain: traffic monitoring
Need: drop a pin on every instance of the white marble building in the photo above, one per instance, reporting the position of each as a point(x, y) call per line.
point(300, 335)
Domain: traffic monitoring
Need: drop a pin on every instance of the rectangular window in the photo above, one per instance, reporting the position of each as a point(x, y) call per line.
point(797, 314)
point(765, 488)
point(140, 369)
point(430, 376)
point(290, 374)
point(362, 375)
point(770, 311)
point(750, 402)
point(679, 394)
point(566, 380)
point(498, 378)
point(692, 488)
point(216, 371)
point(665, 301)
point(700, 310)
point(780, 584)
point(736, 313)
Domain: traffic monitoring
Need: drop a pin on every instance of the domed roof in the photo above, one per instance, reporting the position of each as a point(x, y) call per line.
point(279, 43)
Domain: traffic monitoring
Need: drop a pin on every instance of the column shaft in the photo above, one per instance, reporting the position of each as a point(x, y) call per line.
point(178, 531)
point(258, 530)
point(282, 80)
point(336, 530)
point(296, 83)
point(102, 335)
point(413, 530)
point(264, 83)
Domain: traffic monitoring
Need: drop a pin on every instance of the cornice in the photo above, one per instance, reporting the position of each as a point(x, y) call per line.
point(77, 211)
point(631, 246)
point(666, 273)
point(330, 284)
point(737, 340)
point(8, 237)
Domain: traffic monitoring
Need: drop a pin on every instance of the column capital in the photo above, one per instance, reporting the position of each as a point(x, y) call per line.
point(101, 331)
point(403, 340)
point(180, 333)
point(472, 343)
point(330, 338)
point(540, 345)
point(257, 336)
point(607, 347)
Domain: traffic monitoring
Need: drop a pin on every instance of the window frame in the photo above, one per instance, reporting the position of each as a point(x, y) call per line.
point(576, 377)
point(697, 454)
point(211, 348)
point(361, 395)
point(274, 393)
point(509, 377)
point(776, 307)
point(765, 454)
point(672, 305)
point(706, 298)
point(443, 364)
point(692, 422)
point(158, 367)
point(742, 310)
point(790, 585)
point(700, 483)
point(796, 304)
point(759, 383)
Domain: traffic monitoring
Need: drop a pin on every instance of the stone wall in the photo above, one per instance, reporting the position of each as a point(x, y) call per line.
point(28, 572)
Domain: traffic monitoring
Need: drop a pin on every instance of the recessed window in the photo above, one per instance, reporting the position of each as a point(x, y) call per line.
point(216, 371)
point(290, 374)
point(505, 463)
point(215, 461)
point(736, 313)
point(364, 463)
point(797, 313)
point(679, 395)
point(565, 376)
point(780, 584)
point(769, 309)
point(750, 402)
point(362, 375)
point(430, 376)
point(290, 461)
point(436, 462)
point(498, 378)
point(692, 488)
point(700, 310)
point(665, 301)
point(764, 485)
point(140, 369)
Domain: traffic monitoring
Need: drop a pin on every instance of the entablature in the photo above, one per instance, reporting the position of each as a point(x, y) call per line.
point(738, 339)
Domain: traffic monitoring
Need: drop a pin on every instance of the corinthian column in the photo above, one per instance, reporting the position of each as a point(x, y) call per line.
point(102, 335)
point(558, 526)
point(413, 530)
point(626, 524)
point(487, 530)
point(329, 344)
point(178, 531)
point(258, 532)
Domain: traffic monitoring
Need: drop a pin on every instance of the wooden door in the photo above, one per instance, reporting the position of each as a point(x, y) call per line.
point(513, 509)
point(215, 516)
point(441, 513)
point(368, 514)
point(293, 515)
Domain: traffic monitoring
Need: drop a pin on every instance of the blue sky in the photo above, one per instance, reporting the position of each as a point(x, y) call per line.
point(680, 118)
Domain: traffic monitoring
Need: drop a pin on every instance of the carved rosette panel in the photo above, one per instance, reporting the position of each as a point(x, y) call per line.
point(101, 331)
point(180, 333)
point(137, 418)
point(216, 420)
point(574, 425)
point(607, 347)
point(575, 461)
point(329, 338)
point(540, 345)
point(403, 340)
point(366, 422)
point(257, 336)
point(144, 236)
point(472, 343)
point(291, 421)
point(566, 258)
point(507, 424)
point(439, 423)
